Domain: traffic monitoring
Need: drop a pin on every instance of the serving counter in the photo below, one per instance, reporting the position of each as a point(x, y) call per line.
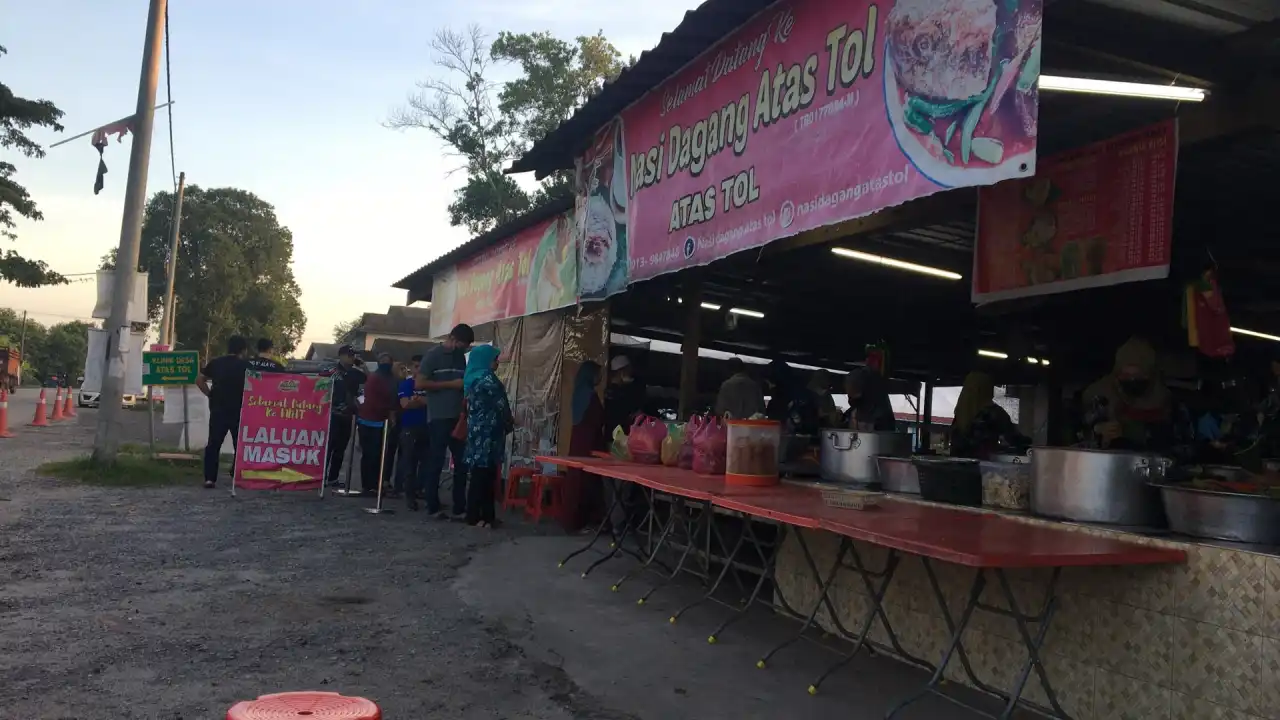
point(1193, 641)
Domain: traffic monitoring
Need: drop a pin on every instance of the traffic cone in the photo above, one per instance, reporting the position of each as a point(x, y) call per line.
point(57, 405)
point(41, 419)
point(69, 408)
point(4, 414)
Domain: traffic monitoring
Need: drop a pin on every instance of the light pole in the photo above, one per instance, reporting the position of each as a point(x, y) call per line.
point(106, 441)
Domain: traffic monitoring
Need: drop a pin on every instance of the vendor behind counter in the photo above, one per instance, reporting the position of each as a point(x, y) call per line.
point(1130, 408)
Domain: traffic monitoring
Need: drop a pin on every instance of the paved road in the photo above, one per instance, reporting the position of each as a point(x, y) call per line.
point(133, 428)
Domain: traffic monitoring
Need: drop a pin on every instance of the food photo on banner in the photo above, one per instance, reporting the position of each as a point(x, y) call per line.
point(1099, 215)
point(859, 106)
point(533, 271)
point(283, 437)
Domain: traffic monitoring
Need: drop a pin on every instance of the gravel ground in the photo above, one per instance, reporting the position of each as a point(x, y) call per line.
point(176, 602)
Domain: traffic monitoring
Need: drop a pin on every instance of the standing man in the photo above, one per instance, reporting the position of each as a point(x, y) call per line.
point(347, 379)
point(226, 395)
point(441, 376)
point(413, 436)
point(261, 360)
point(373, 422)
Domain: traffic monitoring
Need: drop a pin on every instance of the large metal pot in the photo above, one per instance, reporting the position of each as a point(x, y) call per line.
point(1222, 515)
point(898, 474)
point(1102, 486)
point(850, 456)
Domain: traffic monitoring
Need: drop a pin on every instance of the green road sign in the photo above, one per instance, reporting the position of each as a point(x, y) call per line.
point(170, 368)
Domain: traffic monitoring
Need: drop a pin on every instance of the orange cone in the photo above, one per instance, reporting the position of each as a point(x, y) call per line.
point(57, 405)
point(69, 408)
point(41, 419)
point(4, 414)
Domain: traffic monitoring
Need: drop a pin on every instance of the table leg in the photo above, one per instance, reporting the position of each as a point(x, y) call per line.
point(703, 519)
point(605, 523)
point(676, 505)
point(1033, 645)
point(724, 571)
point(956, 630)
point(876, 596)
point(769, 564)
point(823, 588)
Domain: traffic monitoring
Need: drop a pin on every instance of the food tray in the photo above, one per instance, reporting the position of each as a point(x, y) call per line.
point(850, 499)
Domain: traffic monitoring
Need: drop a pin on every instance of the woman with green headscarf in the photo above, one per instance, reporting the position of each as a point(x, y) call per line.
point(1130, 408)
point(981, 428)
point(489, 420)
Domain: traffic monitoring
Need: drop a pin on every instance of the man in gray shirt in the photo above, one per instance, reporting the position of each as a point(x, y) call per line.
point(441, 376)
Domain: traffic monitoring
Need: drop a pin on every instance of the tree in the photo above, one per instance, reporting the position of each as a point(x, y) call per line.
point(234, 273)
point(18, 115)
point(488, 126)
point(341, 329)
point(63, 348)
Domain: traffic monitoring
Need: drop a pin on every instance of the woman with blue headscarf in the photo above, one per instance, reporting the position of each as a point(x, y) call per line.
point(489, 420)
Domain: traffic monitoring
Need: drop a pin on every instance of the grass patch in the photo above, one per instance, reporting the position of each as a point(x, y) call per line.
point(129, 470)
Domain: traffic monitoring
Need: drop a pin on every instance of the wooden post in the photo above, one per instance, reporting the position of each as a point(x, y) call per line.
point(692, 303)
point(926, 425)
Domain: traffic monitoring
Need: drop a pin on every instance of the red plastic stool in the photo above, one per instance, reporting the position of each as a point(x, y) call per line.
point(511, 498)
point(310, 705)
point(546, 499)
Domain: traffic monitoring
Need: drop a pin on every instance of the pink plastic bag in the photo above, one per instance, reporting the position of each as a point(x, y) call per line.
point(685, 459)
point(645, 440)
point(709, 447)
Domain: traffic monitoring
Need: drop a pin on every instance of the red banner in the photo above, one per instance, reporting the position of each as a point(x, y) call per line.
point(812, 113)
point(284, 432)
point(1100, 215)
point(530, 272)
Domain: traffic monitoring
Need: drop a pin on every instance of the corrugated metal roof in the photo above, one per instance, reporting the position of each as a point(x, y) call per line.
point(700, 29)
point(419, 282)
point(1220, 17)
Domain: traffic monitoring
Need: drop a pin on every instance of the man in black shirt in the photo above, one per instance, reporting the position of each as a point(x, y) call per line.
point(227, 374)
point(347, 379)
point(261, 360)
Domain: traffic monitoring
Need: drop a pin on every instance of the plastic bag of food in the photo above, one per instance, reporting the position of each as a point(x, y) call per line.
point(645, 440)
point(672, 444)
point(691, 428)
point(620, 448)
point(709, 447)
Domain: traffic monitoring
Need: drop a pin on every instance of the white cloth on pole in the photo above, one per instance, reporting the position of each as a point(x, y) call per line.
point(133, 362)
point(137, 304)
point(96, 353)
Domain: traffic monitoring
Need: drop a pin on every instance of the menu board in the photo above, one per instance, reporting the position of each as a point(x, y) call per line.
point(1099, 215)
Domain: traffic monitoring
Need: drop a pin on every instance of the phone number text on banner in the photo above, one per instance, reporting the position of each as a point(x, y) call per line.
point(283, 437)
point(811, 114)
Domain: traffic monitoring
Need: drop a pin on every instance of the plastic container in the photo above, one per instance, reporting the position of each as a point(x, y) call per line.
point(1006, 485)
point(752, 452)
point(950, 480)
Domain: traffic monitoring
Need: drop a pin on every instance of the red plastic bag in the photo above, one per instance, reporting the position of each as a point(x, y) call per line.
point(709, 447)
point(685, 458)
point(645, 440)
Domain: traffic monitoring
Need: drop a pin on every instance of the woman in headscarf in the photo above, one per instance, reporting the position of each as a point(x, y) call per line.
point(583, 496)
point(790, 401)
point(489, 420)
point(820, 384)
point(869, 406)
point(1130, 408)
point(981, 426)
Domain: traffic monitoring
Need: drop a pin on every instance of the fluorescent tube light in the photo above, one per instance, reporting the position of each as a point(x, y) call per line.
point(710, 306)
point(1150, 91)
point(1254, 333)
point(747, 313)
point(1044, 362)
point(993, 354)
point(898, 264)
point(1033, 361)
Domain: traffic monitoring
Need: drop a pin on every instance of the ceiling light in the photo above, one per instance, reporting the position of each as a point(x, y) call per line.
point(898, 264)
point(1033, 361)
point(993, 354)
point(1044, 362)
point(748, 313)
point(1254, 333)
point(710, 306)
point(1125, 89)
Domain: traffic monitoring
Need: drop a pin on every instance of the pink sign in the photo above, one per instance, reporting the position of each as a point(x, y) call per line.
point(284, 432)
point(811, 114)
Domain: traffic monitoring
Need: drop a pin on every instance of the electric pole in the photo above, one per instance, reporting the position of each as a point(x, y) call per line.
point(22, 346)
point(166, 330)
point(106, 441)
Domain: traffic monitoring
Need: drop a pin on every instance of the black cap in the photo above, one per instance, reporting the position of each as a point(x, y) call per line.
point(346, 350)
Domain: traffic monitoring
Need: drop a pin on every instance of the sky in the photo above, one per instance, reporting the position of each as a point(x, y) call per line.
point(284, 98)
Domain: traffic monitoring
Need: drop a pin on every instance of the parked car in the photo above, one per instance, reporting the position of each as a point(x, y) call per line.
point(88, 399)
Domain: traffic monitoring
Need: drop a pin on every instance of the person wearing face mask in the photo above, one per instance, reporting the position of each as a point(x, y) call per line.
point(347, 379)
point(869, 406)
point(373, 419)
point(1130, 408)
